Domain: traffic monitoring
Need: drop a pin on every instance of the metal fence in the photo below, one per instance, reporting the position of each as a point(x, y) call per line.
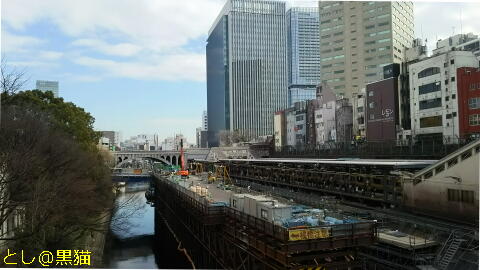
point(423, 148)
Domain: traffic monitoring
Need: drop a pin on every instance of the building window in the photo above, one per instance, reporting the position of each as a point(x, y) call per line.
point(430, 103)
point(432, 121)
point(264, 214)
point(452, 79)
point(370, 93)
point(457, 195)
point(452, 61)
point(472, 86)
point(429, 88)
point(474, 103)
point(474, 120)
point(428, 72)
point(372, 116)
point(371, 105)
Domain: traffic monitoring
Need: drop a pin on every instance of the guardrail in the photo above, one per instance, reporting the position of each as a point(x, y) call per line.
point(428, 147)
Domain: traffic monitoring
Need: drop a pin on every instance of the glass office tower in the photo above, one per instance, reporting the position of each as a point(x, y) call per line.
point(48, 86)
point(246, 68)
point(303, 45)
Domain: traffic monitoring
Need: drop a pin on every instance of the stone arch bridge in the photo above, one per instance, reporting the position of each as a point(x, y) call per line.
point(167, 157)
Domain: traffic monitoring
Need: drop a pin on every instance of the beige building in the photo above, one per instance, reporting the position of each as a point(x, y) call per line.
point(358, 38)
point(447, 188)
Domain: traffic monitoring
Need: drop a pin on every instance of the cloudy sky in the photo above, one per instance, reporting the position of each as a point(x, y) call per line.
point(139, 65)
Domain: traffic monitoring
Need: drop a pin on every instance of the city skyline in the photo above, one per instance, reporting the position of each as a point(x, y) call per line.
point(99, 59)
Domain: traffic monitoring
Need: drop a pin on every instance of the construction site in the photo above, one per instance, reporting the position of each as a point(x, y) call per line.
point(343, 213)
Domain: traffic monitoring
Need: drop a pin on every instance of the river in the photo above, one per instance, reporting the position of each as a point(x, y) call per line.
point(133, 242)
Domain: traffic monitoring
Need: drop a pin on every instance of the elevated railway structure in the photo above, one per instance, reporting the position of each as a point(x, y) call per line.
point(427, 210)
point(363, 180)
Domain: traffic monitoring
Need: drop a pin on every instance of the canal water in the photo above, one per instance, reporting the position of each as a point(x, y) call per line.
point(133, 242)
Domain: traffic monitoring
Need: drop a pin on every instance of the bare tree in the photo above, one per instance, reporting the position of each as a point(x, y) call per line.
point(64, 190)
point(12, 78)
point(228, 137)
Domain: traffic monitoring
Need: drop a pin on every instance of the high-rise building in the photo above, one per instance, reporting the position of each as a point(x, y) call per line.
point(48, 86)
point(358, 38)
point(202, 132)
point(246, 68)
point(303, 46)
point(204, 121)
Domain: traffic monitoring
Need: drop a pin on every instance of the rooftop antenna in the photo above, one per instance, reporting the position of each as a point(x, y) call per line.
point(461, 26)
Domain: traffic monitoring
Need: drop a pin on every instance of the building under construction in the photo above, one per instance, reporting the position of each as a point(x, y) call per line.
point(387, 214)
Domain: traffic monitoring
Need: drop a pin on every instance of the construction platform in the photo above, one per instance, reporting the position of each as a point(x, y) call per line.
point(403, 240)
point(239, 229)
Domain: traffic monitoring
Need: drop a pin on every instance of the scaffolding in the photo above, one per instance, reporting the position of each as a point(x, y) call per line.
point(222, 237)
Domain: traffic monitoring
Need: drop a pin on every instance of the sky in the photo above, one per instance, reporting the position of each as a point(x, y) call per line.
point(138, 66)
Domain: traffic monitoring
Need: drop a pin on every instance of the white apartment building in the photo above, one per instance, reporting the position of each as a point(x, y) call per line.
point(325, 123)
point(290, 127)
point(358, 38)
point(358, 104)
point(433, 93)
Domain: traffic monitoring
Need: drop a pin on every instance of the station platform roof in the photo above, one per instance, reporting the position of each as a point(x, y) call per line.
point(396, 163)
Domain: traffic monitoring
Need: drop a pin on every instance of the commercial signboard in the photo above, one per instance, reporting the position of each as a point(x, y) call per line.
point(308, 234)
point(382, 112)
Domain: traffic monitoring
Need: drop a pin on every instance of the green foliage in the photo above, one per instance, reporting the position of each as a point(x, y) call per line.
point(66, 116)
point(51, 170)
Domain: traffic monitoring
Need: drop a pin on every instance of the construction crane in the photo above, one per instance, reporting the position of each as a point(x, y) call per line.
point(183, 172)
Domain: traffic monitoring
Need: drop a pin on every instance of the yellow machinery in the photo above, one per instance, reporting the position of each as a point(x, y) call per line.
point(196, 168)
point(221, 173)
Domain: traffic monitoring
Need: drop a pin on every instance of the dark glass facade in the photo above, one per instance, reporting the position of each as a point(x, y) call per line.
point(217, 82)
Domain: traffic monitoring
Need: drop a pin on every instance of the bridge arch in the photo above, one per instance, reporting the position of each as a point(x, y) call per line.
point(174, 160)
point(166, 162)
point(158, 159)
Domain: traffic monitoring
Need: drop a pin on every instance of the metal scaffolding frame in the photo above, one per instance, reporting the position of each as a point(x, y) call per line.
point(220, 236)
